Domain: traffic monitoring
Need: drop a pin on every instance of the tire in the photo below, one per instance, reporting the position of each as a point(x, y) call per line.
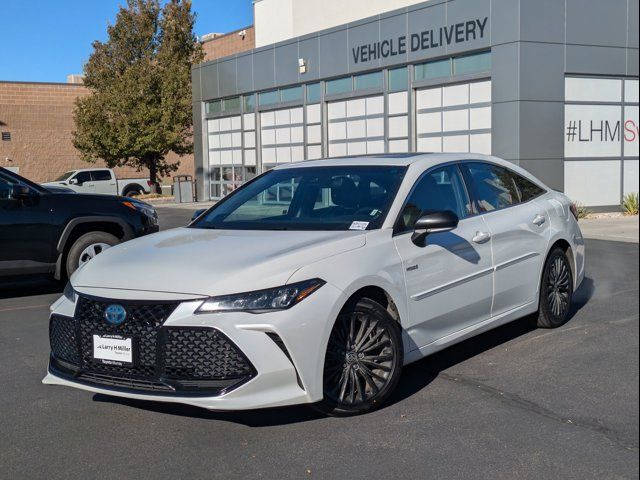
point(79, 249)
point(350, 385)
point(556, 291)
point(133, 192)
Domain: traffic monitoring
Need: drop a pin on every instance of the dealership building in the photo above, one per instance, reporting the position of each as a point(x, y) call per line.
point(551, 85)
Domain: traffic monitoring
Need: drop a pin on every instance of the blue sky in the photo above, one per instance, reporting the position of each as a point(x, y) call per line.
point(44, 40)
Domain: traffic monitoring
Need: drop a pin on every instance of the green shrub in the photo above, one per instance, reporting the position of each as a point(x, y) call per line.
point(583, 212)
point(630, 204)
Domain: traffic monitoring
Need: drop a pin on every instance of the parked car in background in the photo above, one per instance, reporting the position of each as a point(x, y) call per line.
point(317, 282)
point(55, 231)
point(102, 181)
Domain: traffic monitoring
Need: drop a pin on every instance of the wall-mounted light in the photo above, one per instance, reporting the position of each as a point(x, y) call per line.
point(302, 65)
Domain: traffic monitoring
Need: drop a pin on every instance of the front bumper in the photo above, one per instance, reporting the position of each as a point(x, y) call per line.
point(258, 361)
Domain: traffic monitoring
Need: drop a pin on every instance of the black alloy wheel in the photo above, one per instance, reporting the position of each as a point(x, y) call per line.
point(363, 360)
point(556, 290)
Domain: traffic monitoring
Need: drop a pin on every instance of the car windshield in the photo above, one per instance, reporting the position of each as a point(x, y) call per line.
point(309, 198)
point(64, 176)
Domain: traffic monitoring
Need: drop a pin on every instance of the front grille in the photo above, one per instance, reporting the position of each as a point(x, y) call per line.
point(170, 360)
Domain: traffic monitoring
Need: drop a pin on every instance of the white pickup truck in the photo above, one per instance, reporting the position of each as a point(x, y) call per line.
point(101, 181)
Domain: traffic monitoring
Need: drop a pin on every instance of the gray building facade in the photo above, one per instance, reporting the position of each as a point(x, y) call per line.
point(551, 85)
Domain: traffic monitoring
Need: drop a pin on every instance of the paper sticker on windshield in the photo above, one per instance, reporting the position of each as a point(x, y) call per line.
point(359, 225)
point(375, 213)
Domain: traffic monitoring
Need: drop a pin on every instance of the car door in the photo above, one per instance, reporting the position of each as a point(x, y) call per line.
point(82, 182)
point(104, 182)
point(519, 229)
point(448, 279)
point(25, 232)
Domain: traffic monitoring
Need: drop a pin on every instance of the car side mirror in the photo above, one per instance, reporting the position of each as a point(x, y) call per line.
point(197, 213)
point(74, 181)
point(20, 192)
point(433, 222)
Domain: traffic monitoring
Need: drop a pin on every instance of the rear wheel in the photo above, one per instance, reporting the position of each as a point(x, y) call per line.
point(87, 247)
point(556, 290)
point(133, 191)
point(363, 360)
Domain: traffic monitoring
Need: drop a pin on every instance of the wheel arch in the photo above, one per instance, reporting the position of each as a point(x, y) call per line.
point(81, 225)
point(565, 245)
point(379, 295)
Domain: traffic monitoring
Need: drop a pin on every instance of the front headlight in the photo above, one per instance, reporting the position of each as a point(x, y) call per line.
point(261, 301)
point(69, 293)
point(145, 208)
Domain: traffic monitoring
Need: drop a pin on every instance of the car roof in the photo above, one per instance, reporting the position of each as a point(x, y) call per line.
point(425, 160)
point(419, 161)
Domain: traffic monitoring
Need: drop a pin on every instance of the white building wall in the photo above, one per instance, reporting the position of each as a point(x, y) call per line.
point(277, 20)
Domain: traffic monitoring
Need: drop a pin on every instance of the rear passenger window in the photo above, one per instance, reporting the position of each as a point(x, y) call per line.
point(101, 175)
point(441, 189)
point(494, 186)
point(527, 188)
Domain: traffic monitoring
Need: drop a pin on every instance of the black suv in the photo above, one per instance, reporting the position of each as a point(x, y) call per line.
point(53, 231)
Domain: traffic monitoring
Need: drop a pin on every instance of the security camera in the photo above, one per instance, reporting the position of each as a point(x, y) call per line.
point(242, 33)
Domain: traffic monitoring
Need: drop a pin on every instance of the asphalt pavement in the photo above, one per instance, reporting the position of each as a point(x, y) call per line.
point(515, 402)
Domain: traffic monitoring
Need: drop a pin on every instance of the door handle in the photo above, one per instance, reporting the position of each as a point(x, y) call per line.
point(481, 237)
point(539, 220)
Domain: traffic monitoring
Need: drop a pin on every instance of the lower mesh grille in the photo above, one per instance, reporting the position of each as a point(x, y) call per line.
point(167, 360)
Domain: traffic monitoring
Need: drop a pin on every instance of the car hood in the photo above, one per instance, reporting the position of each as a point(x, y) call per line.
point(211, 262)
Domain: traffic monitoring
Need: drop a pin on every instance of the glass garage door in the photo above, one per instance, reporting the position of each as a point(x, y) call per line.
point(454, 118)
point(282, 135)
point(356, 127)
point(600, 139)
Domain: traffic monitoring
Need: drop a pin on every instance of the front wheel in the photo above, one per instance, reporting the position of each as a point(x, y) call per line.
point(87, 247)
point(363, 361)
point(556, 290)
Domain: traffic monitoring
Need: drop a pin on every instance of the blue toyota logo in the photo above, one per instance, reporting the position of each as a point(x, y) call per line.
point(115, 314)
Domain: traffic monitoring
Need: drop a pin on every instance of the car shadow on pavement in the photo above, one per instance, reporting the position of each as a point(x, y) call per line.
point(28, 287)
point(418, 375)
point(415, 377)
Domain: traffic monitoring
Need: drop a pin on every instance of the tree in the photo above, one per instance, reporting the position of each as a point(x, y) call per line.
point(139, 106)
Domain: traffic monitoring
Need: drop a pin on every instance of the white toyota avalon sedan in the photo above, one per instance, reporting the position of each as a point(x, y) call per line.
point(316, 282)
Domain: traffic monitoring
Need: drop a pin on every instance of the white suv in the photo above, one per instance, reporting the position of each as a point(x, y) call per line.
point(316, 282)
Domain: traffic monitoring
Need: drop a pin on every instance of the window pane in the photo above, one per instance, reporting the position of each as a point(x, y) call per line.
point(313, 93)
point(101, 175)
point(398, 79)
point(368, 80)
point(269, 98)
point(83, 177)
point(310, 198)
point(527, 188)
point(249, 103)
point(213, 107)
point(5, 188)
point(340, 85)
point(440, 68)
point(231, 104)
point(494, 186)
point(480, 62)
point(439, 190)
point(291, 94)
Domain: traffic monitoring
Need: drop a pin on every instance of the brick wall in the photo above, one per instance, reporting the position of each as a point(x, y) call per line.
point(39, 117)
point(229, 43)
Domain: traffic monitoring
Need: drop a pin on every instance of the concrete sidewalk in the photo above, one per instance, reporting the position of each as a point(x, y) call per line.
point(617, 229)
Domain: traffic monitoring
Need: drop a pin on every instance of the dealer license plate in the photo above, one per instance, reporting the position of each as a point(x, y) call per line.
point(113, 349)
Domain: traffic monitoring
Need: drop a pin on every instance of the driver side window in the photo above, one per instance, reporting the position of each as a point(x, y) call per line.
point(438, 190)
point(83, 177)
